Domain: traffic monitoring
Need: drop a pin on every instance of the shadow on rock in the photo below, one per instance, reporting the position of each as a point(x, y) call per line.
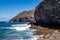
point(49, 25)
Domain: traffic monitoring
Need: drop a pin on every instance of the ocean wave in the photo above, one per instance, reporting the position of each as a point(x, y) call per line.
point(18, 32)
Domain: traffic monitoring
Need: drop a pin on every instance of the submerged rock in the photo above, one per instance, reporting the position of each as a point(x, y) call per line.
point(48, 11)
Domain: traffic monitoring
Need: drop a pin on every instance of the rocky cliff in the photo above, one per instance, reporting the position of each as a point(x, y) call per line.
point(48, 11)
point(25, 16)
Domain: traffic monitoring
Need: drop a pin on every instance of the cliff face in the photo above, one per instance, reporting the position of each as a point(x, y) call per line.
point(48, 11)
point(25, 16)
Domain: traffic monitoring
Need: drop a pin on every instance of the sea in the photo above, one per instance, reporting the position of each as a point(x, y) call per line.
point(16, 31)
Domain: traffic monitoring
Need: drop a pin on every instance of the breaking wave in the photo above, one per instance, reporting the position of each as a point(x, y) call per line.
point(16, 31)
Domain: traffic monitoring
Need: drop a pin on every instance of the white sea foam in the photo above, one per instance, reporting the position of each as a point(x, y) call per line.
point(19, 25)
point(36, 37)
point(22, 28)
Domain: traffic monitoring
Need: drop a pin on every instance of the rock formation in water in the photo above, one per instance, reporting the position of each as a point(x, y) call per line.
point(48, 11)
point(25, 16)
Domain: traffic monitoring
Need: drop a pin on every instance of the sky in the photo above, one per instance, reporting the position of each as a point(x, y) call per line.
point(10, 8)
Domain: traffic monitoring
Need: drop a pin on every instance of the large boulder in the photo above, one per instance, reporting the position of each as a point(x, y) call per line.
point(48, 11)
point(25, 16)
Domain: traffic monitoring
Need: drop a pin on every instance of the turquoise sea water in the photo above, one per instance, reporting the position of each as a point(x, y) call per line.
point(12, 34)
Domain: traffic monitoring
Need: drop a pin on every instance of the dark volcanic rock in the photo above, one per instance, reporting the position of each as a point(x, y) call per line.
point(25, 16)
point(48, 11)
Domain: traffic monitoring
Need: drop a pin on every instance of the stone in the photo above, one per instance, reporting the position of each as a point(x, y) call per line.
point(48, 11)
point(25, 16)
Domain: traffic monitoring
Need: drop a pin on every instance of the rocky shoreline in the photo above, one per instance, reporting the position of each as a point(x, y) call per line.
point(46, 13)
point(47, 34)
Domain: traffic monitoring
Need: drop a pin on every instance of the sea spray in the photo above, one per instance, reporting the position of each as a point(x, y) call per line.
point(8, 32)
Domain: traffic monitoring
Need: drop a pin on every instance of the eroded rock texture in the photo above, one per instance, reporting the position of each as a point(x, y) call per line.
point(48, 11)
point(25, 16)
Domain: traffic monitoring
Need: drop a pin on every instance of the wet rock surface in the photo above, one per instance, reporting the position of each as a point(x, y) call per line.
point(47, 13)
point(46, 33)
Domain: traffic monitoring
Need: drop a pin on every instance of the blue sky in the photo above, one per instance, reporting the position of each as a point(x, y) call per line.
point(10, 8)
